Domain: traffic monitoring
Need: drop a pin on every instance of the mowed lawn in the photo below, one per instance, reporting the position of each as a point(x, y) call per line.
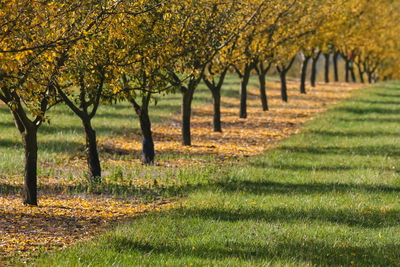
point(328, 196)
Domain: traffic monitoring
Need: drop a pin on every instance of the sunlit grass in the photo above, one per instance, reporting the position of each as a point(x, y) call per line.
point(328, 196)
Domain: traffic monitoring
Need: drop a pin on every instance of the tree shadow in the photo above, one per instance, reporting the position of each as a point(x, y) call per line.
point(5, 110)
point(54, 129)
point(7, 124)
point(379, 120)
point(371, 218)
point(383, 150)
point(299, 167)
point(52, 146)
point(271, 187)
point(363, 111)
point(318, 252)
point(381, 102)
point(6, 189)
point(374, 133)
point(385, 95)
point(10, 143)
point(152, 192)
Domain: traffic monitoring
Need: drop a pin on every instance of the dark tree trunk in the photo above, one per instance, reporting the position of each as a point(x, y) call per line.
point(347, 70)
point(335, 66)
point(261, 72)
point(148, 153)
point(353, 76)
point(314, 69)
point(304, 66)
point(81, 110)
point(326, 67)
point(369, 77)
point(244, 81)
point(217, 110)
point(284, 96)
point(91, 152)
point(215, 89)
point(29, 140)
point(282, 73)
point(361, 74)
point(263, 93)
point(187, 97)
point(28, 131)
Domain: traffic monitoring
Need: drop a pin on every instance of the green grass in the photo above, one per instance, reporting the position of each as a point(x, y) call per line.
point(327, 197)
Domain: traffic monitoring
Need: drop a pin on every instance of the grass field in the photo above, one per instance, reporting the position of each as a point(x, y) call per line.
point(328, 196)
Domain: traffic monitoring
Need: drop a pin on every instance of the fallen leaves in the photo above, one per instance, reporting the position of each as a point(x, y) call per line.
point(240, 137)
point(60, 221)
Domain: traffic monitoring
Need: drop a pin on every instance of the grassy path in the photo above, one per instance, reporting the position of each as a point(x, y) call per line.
point(328, 196)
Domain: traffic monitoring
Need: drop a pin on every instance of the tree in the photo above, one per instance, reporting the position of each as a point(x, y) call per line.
point(303, 74)
point(89, 71)
point(218, 65)
point(149, 52)
point(205, 28)
point(285, 56)
point(255, 46)
point(35, 38)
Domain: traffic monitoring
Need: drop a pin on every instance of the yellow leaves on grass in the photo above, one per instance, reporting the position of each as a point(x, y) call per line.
point(240, 137)
point(60, 221)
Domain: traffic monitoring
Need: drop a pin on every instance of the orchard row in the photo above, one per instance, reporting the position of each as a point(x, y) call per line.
point(87, 53)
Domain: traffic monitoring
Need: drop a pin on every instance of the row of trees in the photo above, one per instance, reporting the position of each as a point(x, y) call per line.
point(87, 53)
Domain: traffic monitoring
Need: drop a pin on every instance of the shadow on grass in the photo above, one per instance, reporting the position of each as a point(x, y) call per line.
point(10, 143)
point(318, 252)
point(382, 150)
point(374, 133)
point(269, 187)
point(6, 189)
point(372, 218)
point(369, 119)
point(144, 193)
point(7, 124)
point(385, 95)
point(67, 130)
point(152, 192)
point(49, 146)
point(362, 111)
point(380, 102)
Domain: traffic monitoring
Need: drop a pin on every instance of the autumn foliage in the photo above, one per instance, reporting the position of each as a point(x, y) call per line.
point(84, 54)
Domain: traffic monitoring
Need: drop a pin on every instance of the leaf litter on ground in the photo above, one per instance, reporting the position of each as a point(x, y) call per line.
point(62, 220)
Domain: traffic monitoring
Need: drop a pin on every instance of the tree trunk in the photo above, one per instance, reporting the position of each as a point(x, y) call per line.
point(314, 69)
point(335, 66)
point(243, 91)
point(304, 66)
point(347, 70)
point(326, 67)
point(261, 72)
point(29, 140)
point(282, 75)
point(216, 94)
point(361, 73)
point(148, 153)
point(353, 76)
point(369, 77)
point(91, 152)
point(28, 131)
point(187, 98)
point(217, 110)
point(263, 94)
